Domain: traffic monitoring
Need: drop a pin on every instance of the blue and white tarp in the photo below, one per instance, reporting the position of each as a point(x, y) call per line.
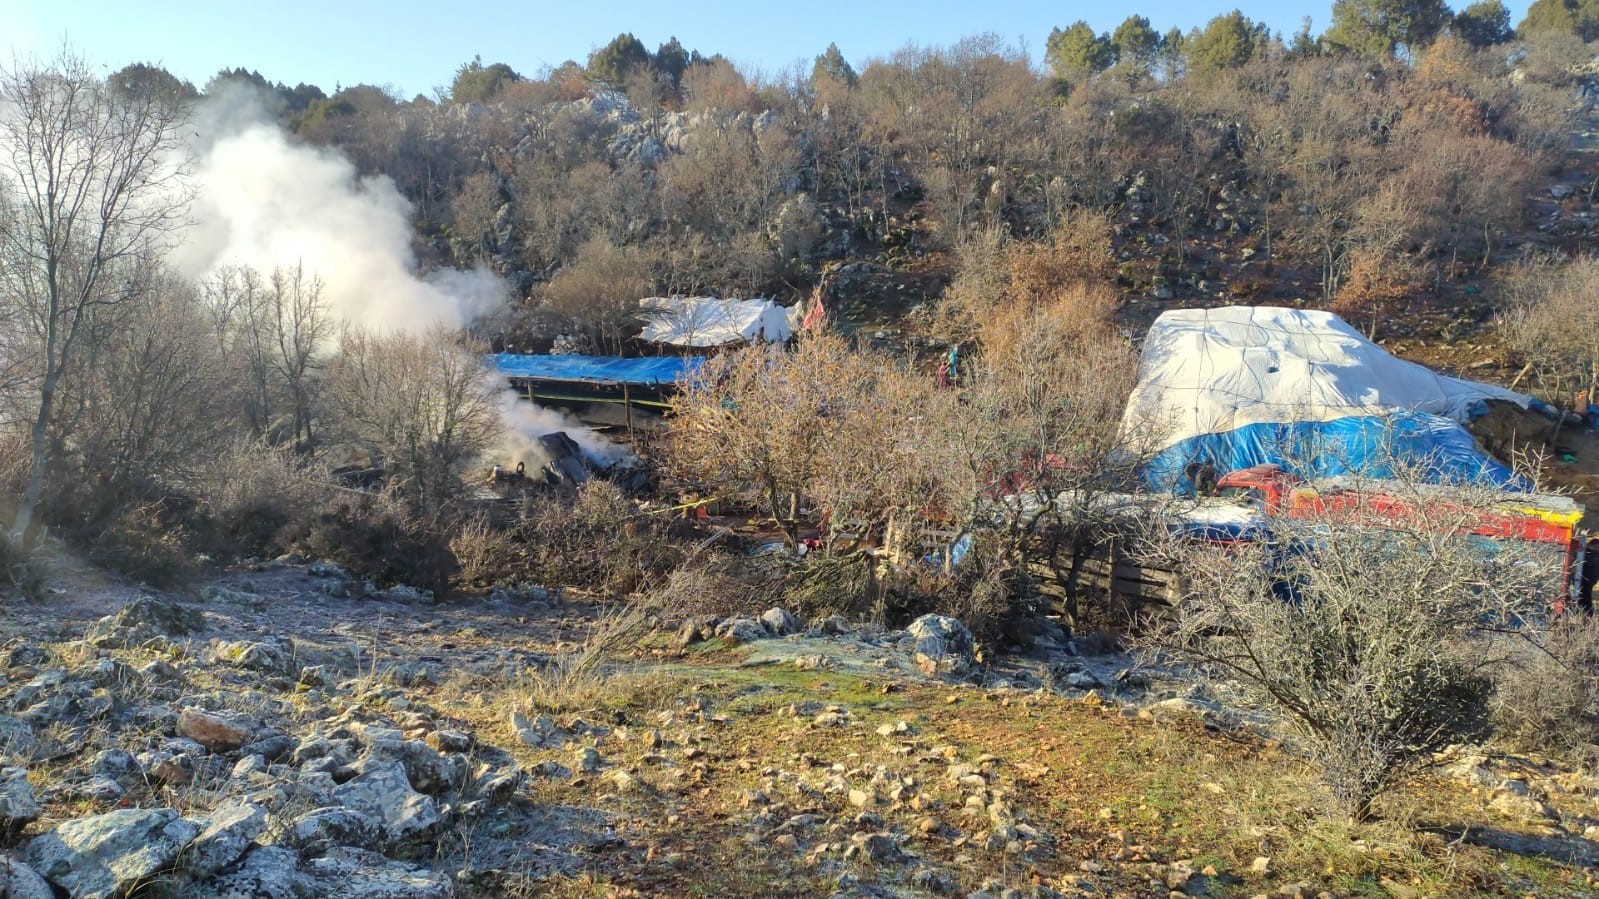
point(1241, 386)
point(650, 371)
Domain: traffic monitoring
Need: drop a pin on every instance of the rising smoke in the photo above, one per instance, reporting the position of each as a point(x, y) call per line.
point(264, 200)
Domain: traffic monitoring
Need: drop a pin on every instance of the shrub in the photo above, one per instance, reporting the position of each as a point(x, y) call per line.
point(593, 539)
point(1546, 694)
point(376, 537)
point(1368, 638)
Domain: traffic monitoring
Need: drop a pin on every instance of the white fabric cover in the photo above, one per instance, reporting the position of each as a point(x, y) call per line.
point(708, 322)
point(1210, 371)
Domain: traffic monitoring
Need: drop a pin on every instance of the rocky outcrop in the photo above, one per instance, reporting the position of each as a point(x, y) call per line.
point(102, 856)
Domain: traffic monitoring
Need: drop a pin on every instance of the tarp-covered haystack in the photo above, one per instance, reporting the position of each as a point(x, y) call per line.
point(708, 322)
point(1240, 386)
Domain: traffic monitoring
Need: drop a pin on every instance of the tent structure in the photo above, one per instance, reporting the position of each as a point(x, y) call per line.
point(709, 322)
point(1240, 386)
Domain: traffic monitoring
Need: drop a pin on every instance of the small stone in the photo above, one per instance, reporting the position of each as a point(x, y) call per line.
point(216, 731)
point(588, 760)
point(787, 842)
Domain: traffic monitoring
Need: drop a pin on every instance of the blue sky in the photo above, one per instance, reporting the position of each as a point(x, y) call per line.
point(416, 46)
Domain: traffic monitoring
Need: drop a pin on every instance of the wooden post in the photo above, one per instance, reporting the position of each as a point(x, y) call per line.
point(627, 405)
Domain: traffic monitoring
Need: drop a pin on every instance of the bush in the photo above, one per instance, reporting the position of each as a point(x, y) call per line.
point(593, 539)
point(1546, 693)
point(1369, 639)
point(256, 500)
point(375, 537)
point(722, 585)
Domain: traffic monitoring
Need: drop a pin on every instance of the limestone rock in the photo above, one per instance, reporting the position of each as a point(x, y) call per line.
point(106, 855)
point(382, 792)
point(17, 738)
point(358, 874)
point(140, 621)
point(18, 881)
point(226, 833)
point(18, 808)
point(320, 829)
point(780, 622)
point(216, 731)
point(741, 630)
point(267, 872)
point(941, 645)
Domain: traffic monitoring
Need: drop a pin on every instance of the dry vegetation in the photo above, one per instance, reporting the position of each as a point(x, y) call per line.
point(179, 432)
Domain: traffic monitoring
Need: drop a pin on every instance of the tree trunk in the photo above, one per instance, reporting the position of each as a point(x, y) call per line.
point(23, 531)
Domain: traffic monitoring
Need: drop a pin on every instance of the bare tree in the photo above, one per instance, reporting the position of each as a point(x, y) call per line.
point(91, 183)
point(423, 405)
point(754, 423)
point(300, 325)
point(1366, 630)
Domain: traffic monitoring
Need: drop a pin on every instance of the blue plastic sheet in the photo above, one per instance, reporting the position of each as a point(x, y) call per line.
point(652, 370)
point(1442, 451)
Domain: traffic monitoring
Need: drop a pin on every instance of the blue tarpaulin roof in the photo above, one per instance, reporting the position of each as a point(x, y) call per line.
point(651, 370)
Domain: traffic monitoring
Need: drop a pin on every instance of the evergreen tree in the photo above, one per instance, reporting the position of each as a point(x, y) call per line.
point(1376, 29)
point(1078, 52)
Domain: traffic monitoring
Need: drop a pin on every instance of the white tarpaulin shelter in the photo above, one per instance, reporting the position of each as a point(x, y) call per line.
point(1243, 385)
point(708, 322)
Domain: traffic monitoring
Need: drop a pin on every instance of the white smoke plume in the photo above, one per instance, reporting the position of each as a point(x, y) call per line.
point(264, 200)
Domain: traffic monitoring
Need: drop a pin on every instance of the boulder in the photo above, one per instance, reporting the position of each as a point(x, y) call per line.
point(18, 808)
point(267, 872)
point(941, 645)
point(741, 630)
point(102, 856)
point(225, 834)
point(140, 621)
point(18, 881)
point(319, 829)
point(216, 731)
point(382, 792)
point(780, 622)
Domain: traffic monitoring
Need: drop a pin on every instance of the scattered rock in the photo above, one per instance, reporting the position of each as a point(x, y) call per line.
point(216, 731)
point(106, 855)
point(383, 792)
point(941, 645)
point(780, 622)
point(18, 808)
point(226, 833)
